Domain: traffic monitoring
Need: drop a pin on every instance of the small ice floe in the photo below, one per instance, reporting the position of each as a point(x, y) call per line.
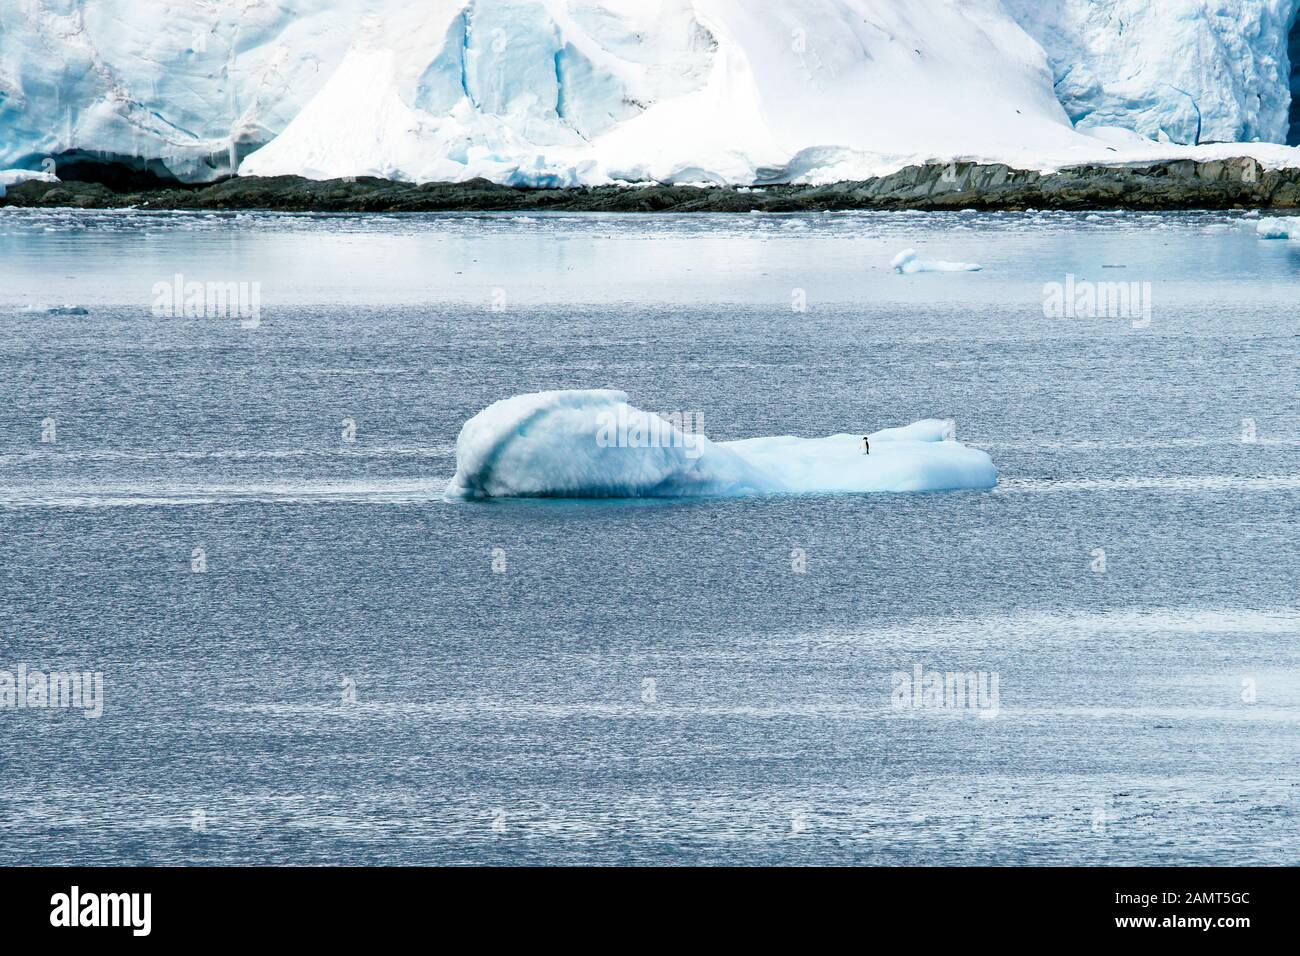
point(907, 263)
point(1278, 227)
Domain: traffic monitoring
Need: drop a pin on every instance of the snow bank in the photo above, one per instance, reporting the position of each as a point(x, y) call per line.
point(593, 444)
point(12, 177)
point(907, 263)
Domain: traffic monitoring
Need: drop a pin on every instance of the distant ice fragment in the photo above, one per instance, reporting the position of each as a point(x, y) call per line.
point(907, 263)
point(43, 309)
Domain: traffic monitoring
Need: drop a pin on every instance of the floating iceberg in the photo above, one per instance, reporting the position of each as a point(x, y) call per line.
point(42, 309)
point(907, 263)
point(593, 444)
point(1278, 227)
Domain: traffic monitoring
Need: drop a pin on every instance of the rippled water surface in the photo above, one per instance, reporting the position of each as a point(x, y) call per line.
point(705, 681)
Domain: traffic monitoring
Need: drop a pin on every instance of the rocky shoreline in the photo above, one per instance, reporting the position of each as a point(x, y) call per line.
point(1182, 184)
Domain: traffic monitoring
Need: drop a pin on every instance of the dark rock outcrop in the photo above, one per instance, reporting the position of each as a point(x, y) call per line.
point(1181, 184)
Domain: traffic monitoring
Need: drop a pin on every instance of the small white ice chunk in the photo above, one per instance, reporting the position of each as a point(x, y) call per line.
point(907, 263)
point(1278, 227)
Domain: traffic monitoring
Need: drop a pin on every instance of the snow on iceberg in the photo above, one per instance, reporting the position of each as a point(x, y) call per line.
point(593, 444)
point(907, 263)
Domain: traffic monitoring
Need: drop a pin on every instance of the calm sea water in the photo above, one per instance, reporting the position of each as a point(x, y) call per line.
point(647, 682)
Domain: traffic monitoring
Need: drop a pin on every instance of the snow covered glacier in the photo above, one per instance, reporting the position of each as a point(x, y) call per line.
point(565, 92)
point(593, 444)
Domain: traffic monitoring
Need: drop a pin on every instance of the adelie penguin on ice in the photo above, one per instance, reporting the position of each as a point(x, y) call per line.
point(866, 446)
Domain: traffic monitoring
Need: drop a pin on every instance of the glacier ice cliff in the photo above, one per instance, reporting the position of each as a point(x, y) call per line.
point(571, 92)
point(593, 444)
point(180, 87)
point(1184, 70)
